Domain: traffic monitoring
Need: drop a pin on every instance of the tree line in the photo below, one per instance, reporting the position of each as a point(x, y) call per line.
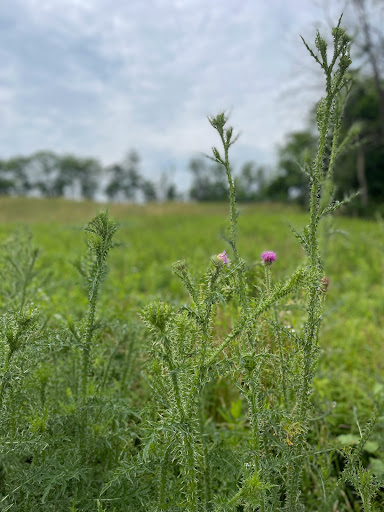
point(47, 174)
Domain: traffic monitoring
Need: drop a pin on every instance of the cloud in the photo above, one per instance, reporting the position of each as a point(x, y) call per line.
point(98, 77)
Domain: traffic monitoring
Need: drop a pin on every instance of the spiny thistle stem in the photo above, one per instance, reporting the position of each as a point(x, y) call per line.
point(88, 337)
point(206, 477)
point(268, 258)
point(225, 134)
point(5, 369)
point(174, 380)
point(101, 231)
point(163, 479)
point(326, 121)
point(100, 241)
point(204, 312)
point(193, 394)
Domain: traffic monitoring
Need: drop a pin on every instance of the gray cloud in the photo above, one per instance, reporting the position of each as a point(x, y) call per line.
point(98, 77)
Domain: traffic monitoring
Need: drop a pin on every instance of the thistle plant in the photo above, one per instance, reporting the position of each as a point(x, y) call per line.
point(182, 347)
point(64, 413)
point(20, 320)
point(19, 329)
point(21, 279)
point(272, 364)
point(101, 231)
point(212, 407)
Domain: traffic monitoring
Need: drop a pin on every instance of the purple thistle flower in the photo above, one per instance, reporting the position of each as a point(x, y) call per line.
point(224, 258)
point(268, 257)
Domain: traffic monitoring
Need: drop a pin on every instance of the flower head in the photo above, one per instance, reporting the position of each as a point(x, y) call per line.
point(224, 258)
point(268, 257)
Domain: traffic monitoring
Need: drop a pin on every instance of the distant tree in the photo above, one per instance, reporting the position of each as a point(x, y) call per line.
point(89, 172)
point(362, 167)
point(250, 182)
point(7, 183)
point(42, 169)
point(65, 178)
point(291, 183)
point(125, 179)
point(149, 190)
point(167, 188)
point(171, 192)
point(209, 182)
point(15, 171)
point(371, 44)
point(84, 171)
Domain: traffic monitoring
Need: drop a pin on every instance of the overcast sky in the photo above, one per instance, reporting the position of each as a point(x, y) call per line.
point(100, 77)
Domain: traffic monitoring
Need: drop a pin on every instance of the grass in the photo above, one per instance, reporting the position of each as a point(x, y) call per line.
point(152, 237)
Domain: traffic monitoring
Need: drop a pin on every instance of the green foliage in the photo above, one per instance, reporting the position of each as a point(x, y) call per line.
point(48, 174)
point(210, 184)
point(125, 179)
point(294, 159)
point(242, 387)
point(280, 411)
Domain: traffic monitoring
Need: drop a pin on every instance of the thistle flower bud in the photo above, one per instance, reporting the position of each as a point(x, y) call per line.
point(224, 258)
point(216, 154)
point(268, 257)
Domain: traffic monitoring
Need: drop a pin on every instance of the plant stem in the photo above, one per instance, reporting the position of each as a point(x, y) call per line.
point(163, 478)
point(206, 465)
point(88, 335)
point(233, 215)
point(5, 369)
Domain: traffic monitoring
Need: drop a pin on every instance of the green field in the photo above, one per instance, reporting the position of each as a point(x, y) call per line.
point(150, 238)
point(153, 237)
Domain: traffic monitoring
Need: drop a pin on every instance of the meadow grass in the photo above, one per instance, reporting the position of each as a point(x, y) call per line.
point(256, 384)
point(152, 236)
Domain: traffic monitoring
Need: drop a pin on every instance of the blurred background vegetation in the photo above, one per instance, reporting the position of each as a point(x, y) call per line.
point(48, 174)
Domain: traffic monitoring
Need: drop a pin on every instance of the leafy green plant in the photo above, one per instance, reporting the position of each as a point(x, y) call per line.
point(222, 397)
point(272, 363)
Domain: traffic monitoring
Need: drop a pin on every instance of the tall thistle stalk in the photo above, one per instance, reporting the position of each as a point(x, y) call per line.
point(227, 139)
point(275, 366)
point(328, 117)
point(260, 488)
point(181, 349)
point(101, 231)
